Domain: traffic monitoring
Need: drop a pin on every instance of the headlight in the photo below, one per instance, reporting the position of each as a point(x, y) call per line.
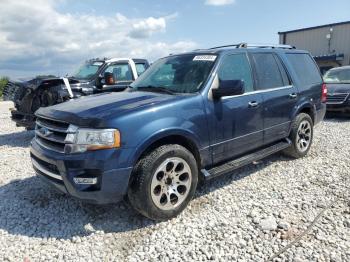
point(92, 139)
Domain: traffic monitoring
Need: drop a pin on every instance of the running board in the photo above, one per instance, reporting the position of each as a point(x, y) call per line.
point(244, 160)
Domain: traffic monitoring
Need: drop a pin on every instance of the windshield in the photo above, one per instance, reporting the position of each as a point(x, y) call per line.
point(177, 74)
point(87, 70)
point(337, 76)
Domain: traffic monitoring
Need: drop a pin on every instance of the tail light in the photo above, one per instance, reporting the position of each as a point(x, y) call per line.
point(324, 93)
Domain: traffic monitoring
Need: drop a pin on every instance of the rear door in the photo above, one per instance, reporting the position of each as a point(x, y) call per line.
point(279, 95)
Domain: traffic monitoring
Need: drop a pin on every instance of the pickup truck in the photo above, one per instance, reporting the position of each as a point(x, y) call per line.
point(94, 76)
point(189, 117)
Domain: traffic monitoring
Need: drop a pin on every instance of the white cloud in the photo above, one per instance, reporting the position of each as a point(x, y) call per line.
point(219, 2)
point(38, 38)
point(145, 28)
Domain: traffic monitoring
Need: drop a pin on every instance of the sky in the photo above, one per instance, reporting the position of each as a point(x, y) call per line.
point(54, 36)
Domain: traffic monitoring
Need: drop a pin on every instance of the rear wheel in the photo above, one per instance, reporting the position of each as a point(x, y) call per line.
point(301, 136)
point(164, 182)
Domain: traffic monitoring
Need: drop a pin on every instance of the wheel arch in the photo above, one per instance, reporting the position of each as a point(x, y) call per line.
point(306, 108)
point(180, 137)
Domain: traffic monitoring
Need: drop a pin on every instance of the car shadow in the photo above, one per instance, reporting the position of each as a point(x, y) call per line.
point(206, 187)
point(30, 207)
point(18, 139)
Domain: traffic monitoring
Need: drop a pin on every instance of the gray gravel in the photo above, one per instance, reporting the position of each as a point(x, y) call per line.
point(246, 216)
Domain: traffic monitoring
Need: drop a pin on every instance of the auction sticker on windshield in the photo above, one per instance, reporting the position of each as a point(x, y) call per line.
point(204, 58)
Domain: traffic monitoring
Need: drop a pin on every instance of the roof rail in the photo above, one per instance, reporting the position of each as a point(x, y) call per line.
point(270, 46)
point(245, 45)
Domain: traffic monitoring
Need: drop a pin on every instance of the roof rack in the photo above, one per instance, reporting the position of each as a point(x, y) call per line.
point(245, 45)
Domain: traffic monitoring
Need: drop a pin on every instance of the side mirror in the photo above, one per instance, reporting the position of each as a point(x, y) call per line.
point(109, 79)
point(228, 88)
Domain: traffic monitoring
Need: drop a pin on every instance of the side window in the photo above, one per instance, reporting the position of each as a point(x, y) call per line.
point(267, 70)
point(286, 79)
point(121, 72)
point(306, 69)
point(140, 68)
point(236, 67)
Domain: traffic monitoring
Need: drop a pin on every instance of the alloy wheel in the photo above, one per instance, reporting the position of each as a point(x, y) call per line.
point(171, 183)
point(304, 136)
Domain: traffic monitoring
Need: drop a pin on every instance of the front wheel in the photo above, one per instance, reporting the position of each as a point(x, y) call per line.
point(164, 182)
point(301, 136)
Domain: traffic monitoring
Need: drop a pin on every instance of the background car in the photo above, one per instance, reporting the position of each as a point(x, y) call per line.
point(94, 76)
point(338, 85)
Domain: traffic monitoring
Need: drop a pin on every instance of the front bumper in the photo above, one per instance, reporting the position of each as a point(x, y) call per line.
point(338, 103)
point(342, 108)
point(60, 170)
point(23, 119)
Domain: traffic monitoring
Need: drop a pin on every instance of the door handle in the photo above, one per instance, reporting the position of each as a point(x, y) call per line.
point(293, 95)
point(253, 104)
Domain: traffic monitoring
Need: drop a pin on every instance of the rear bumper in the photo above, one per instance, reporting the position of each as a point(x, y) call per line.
point(320, 113)
point(23, 119)
point(60, 170)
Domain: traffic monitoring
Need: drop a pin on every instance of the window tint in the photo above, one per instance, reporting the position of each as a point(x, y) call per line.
point(180, 74)
point(236, 67)
point(267, 70)
point(305, 68)
point(283, 72)
point(140, 68)
point(121, 72)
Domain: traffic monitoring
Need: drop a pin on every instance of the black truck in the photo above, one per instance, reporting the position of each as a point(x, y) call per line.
point(94, 76)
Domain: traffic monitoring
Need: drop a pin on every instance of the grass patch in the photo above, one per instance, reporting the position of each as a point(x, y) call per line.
point(3, 83)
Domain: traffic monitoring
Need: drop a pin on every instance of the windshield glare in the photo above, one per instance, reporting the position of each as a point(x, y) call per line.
point(179, 74)
point(337, 76)
point(87, 70)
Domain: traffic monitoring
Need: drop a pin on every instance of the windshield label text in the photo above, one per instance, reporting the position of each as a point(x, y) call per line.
point(205, 58)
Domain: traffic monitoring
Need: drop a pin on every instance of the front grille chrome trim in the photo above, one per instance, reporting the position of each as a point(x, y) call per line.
point(48, 147)
point(337, 98)
point(51, 134)
point(45, 171)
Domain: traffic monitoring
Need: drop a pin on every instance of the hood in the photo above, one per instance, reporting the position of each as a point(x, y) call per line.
point(338, 88)
point(95, 110)
point(44, 81)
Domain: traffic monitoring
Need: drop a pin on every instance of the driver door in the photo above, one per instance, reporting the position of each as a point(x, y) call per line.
point(236, 122)
point(122, 74)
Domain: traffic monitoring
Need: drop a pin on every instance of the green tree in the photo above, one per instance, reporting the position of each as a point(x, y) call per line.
point(3, 82)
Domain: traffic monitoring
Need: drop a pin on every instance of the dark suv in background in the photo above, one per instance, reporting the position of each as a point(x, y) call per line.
point(190, 116)
point(338, 85)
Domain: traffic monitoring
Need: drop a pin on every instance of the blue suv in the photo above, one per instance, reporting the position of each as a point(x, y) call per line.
point(190, 116)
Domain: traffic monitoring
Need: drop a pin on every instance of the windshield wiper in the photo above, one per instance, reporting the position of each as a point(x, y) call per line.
point(151, 88)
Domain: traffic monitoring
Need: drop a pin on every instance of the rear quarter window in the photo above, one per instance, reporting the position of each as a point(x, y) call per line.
point(305, 68)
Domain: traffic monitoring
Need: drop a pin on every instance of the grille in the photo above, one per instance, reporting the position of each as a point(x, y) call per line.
point(51, 134)
point(46, 169)
point(336, 98)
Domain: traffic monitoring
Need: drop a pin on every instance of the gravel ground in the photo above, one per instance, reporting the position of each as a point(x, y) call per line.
point(249, 215)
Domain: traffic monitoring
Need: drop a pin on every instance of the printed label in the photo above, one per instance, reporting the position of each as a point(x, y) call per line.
point(204, 58)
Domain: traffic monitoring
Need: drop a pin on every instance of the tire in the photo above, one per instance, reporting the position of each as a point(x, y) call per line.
point(7, 93)
point(163, 182)
point(19, 93)
point(301, 136)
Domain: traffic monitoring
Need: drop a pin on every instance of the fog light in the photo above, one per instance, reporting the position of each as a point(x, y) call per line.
point(85, 180)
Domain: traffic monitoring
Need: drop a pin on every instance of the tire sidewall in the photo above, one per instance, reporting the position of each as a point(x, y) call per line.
point(148, 171)
point(300, 118)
